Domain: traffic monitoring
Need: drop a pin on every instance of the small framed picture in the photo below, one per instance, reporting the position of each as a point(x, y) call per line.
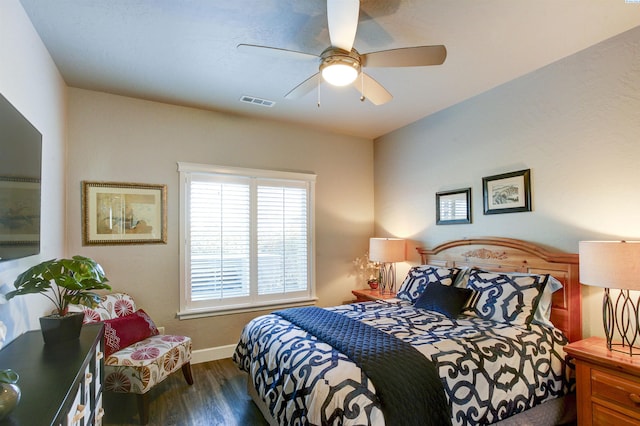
point(453, 207)
point(123, 213)
point(507, 193)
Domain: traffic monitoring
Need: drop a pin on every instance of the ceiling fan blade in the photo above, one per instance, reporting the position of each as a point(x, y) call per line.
point(372, 90)
point(305, 87)
point(276, 52)
point(342, 17)
point(406, 57)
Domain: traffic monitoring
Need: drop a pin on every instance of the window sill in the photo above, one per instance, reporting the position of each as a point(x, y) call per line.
point(230, 310)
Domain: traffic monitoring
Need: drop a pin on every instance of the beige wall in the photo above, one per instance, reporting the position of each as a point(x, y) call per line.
point(575, 124)
point(31, 82)
point(113, 138)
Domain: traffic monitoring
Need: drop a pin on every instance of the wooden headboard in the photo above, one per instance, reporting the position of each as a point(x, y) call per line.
point(505, 254)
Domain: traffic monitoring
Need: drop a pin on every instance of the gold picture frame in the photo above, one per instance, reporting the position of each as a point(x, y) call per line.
point(123, 213)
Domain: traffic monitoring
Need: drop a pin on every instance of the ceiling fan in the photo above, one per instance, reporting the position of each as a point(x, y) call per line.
point(341, 64)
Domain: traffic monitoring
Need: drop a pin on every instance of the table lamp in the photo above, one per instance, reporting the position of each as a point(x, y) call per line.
point(387, 251)
point(615, 265)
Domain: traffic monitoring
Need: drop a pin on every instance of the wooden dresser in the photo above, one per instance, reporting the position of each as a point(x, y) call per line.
point(61, 385)
point(608, 384)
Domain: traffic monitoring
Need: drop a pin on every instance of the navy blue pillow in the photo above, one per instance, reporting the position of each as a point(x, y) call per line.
point(446, 299)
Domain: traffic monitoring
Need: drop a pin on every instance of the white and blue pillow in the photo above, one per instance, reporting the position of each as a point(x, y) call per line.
point(508, 298)
point(419, 277)
point(543, 313)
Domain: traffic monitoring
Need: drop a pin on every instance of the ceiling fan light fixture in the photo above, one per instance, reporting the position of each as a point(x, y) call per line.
point(339, 69)
point(339, 74)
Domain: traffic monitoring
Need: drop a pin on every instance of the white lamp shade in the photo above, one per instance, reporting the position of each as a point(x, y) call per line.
point(610, 264)
point(387, 250)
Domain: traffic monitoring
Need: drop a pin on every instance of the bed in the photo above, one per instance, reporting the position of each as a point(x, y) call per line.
point(487, 318)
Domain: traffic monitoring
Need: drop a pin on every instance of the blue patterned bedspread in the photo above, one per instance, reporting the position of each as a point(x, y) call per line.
point(489, 370)
point(406, 381)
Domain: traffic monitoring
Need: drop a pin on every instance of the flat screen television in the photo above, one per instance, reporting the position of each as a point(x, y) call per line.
point(20, 176)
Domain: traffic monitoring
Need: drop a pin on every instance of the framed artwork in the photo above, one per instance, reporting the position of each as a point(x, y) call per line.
point(19, 211)
point(453, 207)
point(123, 213)
point(507, 193)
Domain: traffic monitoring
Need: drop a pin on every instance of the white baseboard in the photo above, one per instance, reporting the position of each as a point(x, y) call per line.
point(212, 354)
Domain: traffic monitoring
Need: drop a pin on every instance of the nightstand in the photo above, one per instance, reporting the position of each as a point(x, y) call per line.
point(367, 295)
point(608, 384)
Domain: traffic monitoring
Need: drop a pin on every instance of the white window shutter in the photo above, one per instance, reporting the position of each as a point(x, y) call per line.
point(220, 240)
point(248, 238)
point(282, 239)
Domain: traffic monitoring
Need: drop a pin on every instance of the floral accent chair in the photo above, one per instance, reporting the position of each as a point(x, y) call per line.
point(137, 357)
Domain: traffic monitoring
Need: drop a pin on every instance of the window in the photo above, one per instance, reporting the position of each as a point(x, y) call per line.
point(248, 239)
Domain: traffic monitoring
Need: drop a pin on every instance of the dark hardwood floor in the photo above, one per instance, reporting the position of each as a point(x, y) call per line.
point(217, 397)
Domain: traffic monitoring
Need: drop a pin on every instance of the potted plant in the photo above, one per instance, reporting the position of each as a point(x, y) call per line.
point(74, 281)
point(367, 269)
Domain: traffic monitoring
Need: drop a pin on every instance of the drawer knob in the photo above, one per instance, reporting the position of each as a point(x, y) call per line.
point(635, 398)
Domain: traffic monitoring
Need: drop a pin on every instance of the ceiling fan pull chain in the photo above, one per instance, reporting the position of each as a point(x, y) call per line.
point(318, 93)
point(362, 98)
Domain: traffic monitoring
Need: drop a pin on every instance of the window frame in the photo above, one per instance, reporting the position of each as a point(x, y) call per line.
point(195, 309)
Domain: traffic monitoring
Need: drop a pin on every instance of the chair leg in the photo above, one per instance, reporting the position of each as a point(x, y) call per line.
point(143, 408)
point(186, 372)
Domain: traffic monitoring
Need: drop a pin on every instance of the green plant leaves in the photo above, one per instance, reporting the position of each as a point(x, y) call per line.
point(74, 279)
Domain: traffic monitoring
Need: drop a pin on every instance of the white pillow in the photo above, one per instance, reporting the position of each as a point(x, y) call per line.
point(543, 312)
point(504, 297)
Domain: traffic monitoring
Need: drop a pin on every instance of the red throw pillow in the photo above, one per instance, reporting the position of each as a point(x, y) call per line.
point(124, 331)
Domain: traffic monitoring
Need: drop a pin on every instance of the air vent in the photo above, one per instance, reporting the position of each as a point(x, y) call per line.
point(257, 101)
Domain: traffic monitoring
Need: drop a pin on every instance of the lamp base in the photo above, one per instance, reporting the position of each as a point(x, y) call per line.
point(623, 349)
point(621, 318)
point(388, 278)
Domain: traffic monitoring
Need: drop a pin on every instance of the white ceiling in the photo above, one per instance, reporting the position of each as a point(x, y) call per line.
point(184, 51)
